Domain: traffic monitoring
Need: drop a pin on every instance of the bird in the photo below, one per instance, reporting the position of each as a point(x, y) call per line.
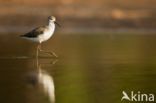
point(42, 34)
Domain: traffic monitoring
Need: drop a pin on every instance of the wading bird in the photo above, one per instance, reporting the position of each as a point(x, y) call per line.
point(42, 34)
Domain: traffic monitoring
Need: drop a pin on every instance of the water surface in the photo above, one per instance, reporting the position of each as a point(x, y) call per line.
point(92, 68)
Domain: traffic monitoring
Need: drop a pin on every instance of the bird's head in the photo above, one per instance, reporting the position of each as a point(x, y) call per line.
point(53, 19)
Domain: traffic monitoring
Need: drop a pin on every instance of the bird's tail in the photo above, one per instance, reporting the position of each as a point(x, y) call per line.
point(22, 35)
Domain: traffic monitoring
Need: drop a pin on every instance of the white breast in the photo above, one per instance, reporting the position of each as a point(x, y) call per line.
point(47, 33)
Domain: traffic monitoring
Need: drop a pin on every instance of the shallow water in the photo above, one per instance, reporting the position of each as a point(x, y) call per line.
point(90, 68)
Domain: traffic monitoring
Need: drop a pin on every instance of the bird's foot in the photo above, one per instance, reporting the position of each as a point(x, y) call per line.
point(53, 54)
point(49, 52)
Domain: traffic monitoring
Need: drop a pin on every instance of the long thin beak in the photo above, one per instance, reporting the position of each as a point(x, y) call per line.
point(57, 24)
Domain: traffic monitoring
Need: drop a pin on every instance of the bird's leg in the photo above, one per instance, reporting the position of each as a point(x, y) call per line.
point(38, 49)
point(37, 55)
point(49, 52)
point(38, 46)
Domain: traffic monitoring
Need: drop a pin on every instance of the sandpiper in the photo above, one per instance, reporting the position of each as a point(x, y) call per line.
point(41, 34)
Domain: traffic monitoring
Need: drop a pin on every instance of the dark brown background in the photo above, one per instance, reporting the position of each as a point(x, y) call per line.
point(79, 14)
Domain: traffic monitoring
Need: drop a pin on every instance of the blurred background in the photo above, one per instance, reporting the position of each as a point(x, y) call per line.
point(79, 15)
point(102, 55)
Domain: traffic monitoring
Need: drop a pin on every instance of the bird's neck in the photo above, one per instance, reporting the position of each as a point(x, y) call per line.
point(51, 25)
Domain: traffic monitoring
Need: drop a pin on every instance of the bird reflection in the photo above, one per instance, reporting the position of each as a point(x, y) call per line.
point(47, 83)
point(44, 81)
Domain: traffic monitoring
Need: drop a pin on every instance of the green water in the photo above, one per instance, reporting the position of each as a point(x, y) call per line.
point(90, 68)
